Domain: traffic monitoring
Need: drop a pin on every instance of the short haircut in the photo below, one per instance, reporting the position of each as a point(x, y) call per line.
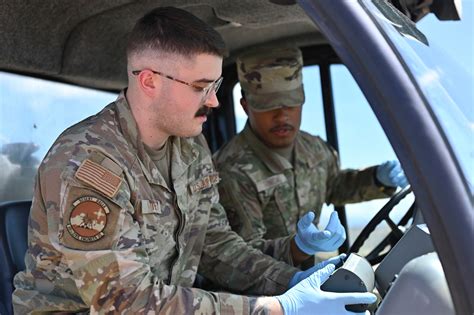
point(173, 30)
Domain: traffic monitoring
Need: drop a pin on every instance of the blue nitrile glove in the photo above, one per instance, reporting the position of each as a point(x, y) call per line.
point(307, 297)
point(391, 174)
point(301, 275)
point(310, 239)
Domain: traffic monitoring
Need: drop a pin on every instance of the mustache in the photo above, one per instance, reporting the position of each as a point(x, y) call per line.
point(203, 111)
point(282, 127)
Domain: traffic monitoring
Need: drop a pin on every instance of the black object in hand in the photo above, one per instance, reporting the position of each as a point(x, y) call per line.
point(357, 308)
point(354, 274)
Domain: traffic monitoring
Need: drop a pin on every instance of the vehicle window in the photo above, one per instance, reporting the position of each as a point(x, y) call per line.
point(33, 113)
point(362, 143)
point(442, 71)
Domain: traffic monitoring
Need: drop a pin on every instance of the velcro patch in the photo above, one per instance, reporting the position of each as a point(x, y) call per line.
point(88, 219)
point(204, 182)
point(270, 182)
point(151, 206)
point(99, 177)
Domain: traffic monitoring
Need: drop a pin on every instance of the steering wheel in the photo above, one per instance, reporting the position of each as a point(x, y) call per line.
point(396, 233)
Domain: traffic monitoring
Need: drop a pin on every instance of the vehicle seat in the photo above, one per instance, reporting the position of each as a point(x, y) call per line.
point(13, 245)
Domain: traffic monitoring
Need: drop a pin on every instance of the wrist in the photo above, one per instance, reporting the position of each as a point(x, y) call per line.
point(297, 254)
point(376, 179)
point(303, 246)
point(266, 305)
point(381, 186)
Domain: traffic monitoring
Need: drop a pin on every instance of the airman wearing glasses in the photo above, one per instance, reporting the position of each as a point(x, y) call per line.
point(126, 205)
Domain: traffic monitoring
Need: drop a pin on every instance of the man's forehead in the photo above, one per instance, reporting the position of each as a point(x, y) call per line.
point(203, 67)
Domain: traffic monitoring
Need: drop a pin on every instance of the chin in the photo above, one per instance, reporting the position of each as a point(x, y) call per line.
point(193, 133)
point(282, 145)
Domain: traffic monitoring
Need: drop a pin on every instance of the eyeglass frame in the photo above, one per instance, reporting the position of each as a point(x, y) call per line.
point(215, 84)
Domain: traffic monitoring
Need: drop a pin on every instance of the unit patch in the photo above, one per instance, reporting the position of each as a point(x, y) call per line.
point(88, 219)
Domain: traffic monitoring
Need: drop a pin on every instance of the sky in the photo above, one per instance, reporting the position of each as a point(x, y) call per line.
point(29, 110)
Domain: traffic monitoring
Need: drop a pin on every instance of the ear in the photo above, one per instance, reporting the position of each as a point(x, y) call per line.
point(244, 104)
point(147, 82)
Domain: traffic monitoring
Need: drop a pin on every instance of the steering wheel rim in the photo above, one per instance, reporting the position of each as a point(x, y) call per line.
point(375, 256)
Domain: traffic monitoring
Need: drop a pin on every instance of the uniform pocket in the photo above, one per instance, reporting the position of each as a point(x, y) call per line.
point(159, 224)
point(288, 210)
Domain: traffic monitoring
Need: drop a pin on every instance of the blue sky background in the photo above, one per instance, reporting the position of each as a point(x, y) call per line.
point(35, 111)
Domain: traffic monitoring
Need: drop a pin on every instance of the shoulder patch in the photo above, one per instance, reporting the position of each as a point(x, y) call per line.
point(87, 219)
point(204, 182)
point(270, 182)
point(99, 177)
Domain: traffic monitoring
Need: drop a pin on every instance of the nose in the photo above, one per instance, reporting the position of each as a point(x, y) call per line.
point(281, 114)
point(211, 100)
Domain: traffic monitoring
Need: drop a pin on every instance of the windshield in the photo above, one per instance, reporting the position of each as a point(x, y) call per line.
point(442, 65)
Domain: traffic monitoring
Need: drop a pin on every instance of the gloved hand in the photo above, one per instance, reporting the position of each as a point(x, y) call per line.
point(301, 275)
point(391, 174)
point(307, 298)
point(310, 239)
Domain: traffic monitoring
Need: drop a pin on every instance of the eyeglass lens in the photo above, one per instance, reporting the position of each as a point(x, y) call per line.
point(213, 87)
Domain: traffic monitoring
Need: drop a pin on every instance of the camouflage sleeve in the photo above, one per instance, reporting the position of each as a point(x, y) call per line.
point(228, 261)
point(103, 255)
point(350, 185)
point(239, 198)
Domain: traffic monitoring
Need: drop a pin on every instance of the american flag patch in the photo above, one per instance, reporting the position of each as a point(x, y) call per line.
point(99, 177)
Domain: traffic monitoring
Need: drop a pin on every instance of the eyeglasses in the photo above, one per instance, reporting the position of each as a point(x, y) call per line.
point(206, 90)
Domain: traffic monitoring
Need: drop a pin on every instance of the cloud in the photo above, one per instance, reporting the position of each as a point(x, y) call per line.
point(430, 77)
point(4, 139)
point(7, 169)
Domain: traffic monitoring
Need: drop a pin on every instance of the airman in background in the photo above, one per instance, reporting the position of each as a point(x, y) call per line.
point(275, 177)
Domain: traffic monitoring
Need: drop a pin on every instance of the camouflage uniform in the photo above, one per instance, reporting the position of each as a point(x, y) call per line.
point(263, 194)
point(107, 235)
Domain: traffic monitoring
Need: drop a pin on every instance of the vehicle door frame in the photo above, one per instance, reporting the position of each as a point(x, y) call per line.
point(414, 134)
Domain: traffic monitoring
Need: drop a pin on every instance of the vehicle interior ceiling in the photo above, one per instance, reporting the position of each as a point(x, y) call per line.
point(70, 48)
